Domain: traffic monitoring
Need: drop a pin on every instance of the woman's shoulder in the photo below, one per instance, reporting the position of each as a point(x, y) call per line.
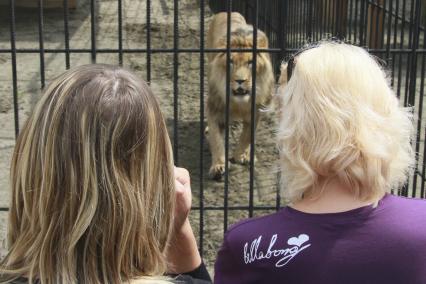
point(411, 210)
point(254, 226)
point(405, 205)
point(257, 221)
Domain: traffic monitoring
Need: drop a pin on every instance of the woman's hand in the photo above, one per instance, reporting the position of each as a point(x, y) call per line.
point(182, 253)
point(183, 197)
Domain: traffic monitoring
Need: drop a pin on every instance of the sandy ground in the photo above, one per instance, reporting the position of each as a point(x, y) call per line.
point(134, 35)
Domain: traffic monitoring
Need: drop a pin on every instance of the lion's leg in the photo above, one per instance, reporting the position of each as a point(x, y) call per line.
point(217, 148)
point(242, 152)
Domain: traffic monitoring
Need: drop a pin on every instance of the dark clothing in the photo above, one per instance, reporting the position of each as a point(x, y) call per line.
point(386, 244)
point(199, 275)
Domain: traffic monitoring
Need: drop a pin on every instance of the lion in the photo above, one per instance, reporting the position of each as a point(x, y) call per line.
point(240, 84)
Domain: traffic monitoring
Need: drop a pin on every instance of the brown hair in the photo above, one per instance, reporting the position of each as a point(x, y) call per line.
point(92, 182)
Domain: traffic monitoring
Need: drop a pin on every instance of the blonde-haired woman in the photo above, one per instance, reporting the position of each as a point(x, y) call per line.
point(95, 196)
point(345, 144)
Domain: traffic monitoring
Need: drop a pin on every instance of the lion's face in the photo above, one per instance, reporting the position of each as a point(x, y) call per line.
point(241, 63)
point(241, 68)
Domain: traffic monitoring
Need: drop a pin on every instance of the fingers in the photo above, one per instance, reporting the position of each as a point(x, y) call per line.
point(182, 183)
point(182, 175)
point(183, 196)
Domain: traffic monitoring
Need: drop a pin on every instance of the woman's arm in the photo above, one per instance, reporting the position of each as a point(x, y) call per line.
point(182, 254)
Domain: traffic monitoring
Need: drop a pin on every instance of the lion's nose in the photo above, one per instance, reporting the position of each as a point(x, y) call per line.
point(240, 81)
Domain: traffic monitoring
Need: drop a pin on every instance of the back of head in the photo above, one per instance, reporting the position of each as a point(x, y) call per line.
point(92, 182)
point(340, 119)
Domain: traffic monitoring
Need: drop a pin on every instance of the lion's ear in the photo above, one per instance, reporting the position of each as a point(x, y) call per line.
point(262, 40)
point(282, 81)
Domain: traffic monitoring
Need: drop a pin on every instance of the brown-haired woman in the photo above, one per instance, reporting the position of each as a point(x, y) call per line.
point(95, 195)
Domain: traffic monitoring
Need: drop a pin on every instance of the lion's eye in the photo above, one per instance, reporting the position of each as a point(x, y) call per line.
point(250, 62)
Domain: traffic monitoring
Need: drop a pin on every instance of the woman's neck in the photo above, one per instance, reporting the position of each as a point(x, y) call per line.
point(335, 198)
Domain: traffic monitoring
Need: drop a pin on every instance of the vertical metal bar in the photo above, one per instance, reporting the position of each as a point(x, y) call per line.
point(304, 22)
point(422, 85)
point(227, 103)
point(335, 19)
point(409, 55)
point(378, 23)
point(201, 165)
point(344, 18)
point(288, 20)
point(422, 190)
point(371, 10)
point(395, 29)
point(284, 9)
point(66, 35)
point(41, 42)
point(404, 190)
point(355, 20)
point(92, 30)
point(148, 40)
point(413, 42)
point(300, 23)
point(350, 20)
point(383, 13)
point(253, 108)
point(175, 80)
point(321, 17)
point(362, 23)
point(413, 77)
point(337, 15)
point(295, 24)
point(315, 28)
point(281, 20)
point(120, 33)
point(401, 43)
point(282, 31)
point(310, 20)
point(14, 73)
point(388, 37)
point(329, 17)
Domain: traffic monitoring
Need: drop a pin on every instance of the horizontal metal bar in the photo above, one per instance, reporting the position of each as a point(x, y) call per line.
point(236, 208)
point(191, 50)
point(142, 50)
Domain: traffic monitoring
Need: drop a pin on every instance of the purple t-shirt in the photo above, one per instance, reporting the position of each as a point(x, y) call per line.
point(386, 244)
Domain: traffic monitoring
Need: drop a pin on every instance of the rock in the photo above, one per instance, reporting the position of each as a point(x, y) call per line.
point(6, 103)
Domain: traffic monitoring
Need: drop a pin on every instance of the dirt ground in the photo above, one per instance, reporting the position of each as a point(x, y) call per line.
point(188, 90)
point(134, 35)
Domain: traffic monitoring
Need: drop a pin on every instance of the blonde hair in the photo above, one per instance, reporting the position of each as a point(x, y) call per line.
point(92, 183)
point(340, 119)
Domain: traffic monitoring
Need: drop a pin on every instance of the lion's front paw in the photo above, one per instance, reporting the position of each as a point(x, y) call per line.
point(217, 171)
point(242, 159)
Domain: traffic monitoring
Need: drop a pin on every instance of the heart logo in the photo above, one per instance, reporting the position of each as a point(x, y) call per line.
point(300, 240)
